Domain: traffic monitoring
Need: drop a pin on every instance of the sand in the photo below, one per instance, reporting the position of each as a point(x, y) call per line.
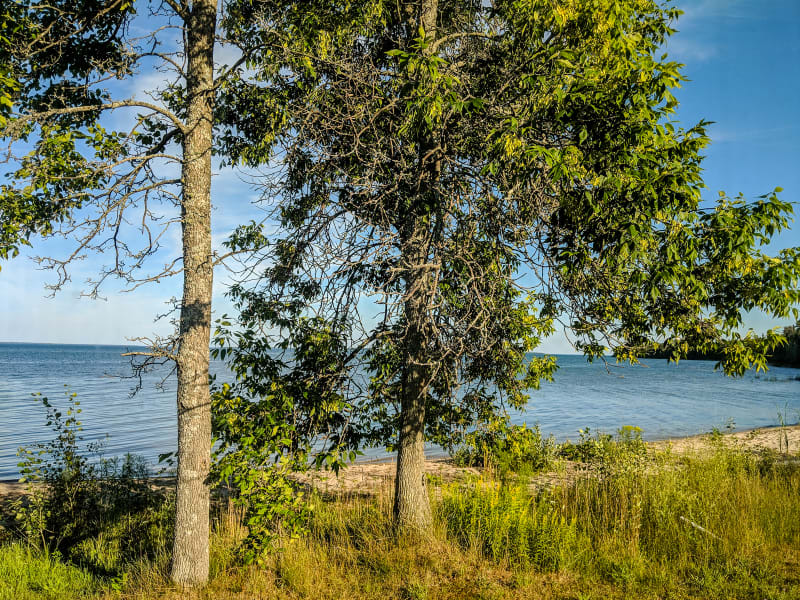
point(768, 438)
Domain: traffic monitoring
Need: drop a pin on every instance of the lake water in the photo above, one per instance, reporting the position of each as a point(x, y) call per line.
point(664, 400)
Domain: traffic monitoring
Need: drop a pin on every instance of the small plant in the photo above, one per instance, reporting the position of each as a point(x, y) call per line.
point(96, 511)
point(717, 437)
point(415, 591)
point(590, 447)
point(783, 433)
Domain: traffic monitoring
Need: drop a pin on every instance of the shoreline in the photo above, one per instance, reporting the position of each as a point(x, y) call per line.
point(369, 476)
point(436, 456)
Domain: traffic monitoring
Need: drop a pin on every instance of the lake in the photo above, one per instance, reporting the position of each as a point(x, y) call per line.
point(664, 400)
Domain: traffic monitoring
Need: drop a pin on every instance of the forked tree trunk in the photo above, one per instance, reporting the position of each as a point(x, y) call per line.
point(412, 508)
point(190, 549)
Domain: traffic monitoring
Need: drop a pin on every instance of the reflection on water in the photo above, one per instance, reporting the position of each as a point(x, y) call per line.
point(664, 400)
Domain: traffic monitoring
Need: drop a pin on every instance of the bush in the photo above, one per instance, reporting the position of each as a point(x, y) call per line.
point(624, 451)
point(508, 448)
point(253, 459)
point(102, 513)
point(284, 414)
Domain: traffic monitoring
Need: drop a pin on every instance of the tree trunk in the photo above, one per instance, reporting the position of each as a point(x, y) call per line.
point(411, 504)
point(412, 508)
point(428, 13)
point(190, 549)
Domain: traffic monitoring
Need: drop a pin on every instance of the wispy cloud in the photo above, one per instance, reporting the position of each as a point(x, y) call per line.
point(725, 135)
point(699, 10)
point(701, 20)
point(688, 50)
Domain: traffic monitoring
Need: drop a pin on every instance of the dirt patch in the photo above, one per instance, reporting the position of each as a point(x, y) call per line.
point(11, 490)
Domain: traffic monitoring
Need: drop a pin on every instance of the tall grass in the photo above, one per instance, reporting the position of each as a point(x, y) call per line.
point(506, 524)
point(718, 525)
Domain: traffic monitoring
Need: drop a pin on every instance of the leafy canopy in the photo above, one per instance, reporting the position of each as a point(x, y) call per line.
point(526, 159)
point(50, 52)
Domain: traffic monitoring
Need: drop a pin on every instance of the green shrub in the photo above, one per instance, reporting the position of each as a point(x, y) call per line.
point(625, 451)
point(508, 448)
point(102, 513)
point(252, 460)
point(282, 415)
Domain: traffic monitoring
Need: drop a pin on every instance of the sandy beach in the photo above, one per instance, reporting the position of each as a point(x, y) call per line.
point(369, 478)
point(372, 477)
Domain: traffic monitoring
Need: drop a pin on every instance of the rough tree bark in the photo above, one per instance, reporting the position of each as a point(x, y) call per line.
point(412, 506)
point(190, 556)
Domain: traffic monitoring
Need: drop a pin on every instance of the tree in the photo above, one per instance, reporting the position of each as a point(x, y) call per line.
point(276, 420)
point(788, 354)
point(74, 175)
point(20, 214)
point(470, 172)
point(10, 19)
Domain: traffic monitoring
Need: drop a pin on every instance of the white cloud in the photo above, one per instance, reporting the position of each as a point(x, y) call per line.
point(556, 344)
point(725, 135)
point(29, 316)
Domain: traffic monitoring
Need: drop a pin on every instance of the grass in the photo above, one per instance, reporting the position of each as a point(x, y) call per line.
point(717, 525)
point(29, 574)
point(509, 526)
point(720, 526)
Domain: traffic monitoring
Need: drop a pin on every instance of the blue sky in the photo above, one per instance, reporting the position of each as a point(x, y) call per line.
point(743, 61)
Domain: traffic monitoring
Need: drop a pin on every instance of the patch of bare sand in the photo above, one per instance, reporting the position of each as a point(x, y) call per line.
point(373, 477)
point(11, 490)
point(777, 439)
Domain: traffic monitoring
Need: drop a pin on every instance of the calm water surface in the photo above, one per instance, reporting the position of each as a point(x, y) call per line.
point(664, 400)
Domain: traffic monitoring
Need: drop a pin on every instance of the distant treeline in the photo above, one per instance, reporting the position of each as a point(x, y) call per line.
point(786, 356)
point(691, 355)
